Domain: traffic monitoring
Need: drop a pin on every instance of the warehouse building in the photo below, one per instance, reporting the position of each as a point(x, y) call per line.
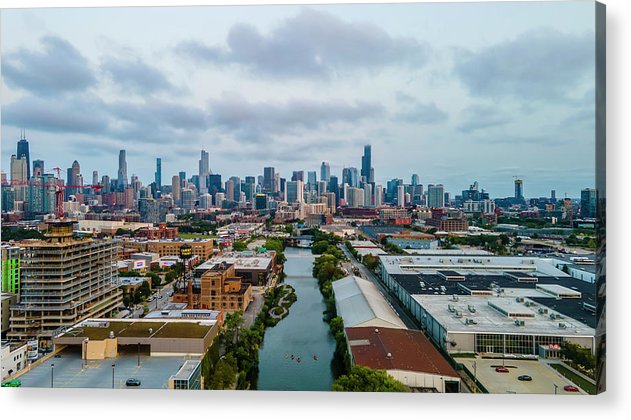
point(499, 305)
point(360, 304)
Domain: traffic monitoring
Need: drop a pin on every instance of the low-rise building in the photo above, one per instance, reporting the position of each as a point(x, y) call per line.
point(255, 268)
point(406, 355)
point(103, 338)
point(216, 287)
point(14, 358)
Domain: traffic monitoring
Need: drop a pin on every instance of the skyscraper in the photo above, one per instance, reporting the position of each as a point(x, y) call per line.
point(182, 175)
point(24, 152)
point(588, 202)
point(95, 177)
point(415, 180)
point(269, 180)
point(175, 190)
point(325, 172)
point(295, 191)
point(19, 174)
point(401, 196)
point(366, 164)
point(158, 177)
point(298, 176)
point(122, 170)
point(519, 189)
point(350, 177)
point(204, 171)
point(230, 190)
point(312, 180)
point(334, 187)
point(435, 196)
point(38, 167)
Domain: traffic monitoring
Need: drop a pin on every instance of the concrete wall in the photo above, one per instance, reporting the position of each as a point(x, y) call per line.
point(100, 349)
point(421, 380)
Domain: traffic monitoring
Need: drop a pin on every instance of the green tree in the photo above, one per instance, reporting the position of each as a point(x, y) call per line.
point(363, 379)
point(239, 246)
point(320, 247)
point(371, 261)
point(224, 374)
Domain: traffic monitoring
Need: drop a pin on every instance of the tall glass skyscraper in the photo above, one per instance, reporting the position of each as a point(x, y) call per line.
point(366, 164)
point(158, 173)
point(122, 169)
point(23, 151)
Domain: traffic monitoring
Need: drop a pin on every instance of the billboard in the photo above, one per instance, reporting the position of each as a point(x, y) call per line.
point(32, 349)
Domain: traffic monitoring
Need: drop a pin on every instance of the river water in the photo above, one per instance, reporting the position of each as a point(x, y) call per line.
point(303, 334)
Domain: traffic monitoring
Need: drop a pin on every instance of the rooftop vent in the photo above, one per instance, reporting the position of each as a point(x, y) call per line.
point(389, 356)
point(562, 325)
point(519, 323)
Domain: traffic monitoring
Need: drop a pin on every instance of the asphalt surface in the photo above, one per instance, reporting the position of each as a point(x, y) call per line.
point(70, 371)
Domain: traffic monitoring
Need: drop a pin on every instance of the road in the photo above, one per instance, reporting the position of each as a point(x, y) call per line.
point(366, 274)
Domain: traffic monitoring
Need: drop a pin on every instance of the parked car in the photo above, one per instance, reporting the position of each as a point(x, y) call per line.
point(12, 383)
point(570, 388)
point(132, 382)
point(524, 378)
point(501, 369)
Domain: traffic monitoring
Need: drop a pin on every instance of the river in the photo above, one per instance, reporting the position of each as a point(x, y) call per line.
point(303, 334)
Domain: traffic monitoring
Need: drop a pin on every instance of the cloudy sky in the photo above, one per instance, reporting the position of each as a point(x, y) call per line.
point(453, 92)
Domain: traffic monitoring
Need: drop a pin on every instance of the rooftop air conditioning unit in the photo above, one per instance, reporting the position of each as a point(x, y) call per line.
point(562, 325)
point(454, 298)
point(519, 299)
point(451, 308)
point(553, 316)
point(543, 310)
point(519, 323)
point(471, 308)
point(458, 314)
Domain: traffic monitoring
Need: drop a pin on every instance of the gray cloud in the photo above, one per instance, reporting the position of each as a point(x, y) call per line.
point(58, 67)
point(420, 113)
point(478, 117)
point(135, 75)
point(537, 65)
point(257, 121)
point(311, 44)
point(73, 115)
point(153, 121)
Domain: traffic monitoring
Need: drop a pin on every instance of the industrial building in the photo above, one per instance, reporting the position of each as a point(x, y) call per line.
point(64, 280)
point(490, 304)
point(360, 304)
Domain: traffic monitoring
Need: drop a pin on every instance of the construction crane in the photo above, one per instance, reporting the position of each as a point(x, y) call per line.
point(59, 192)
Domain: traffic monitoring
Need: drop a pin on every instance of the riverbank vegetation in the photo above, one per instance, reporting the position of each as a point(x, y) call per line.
point(237, 368)
point(363, 379)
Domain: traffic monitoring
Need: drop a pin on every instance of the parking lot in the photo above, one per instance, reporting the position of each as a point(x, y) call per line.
point(70, 372)
point(544, 378)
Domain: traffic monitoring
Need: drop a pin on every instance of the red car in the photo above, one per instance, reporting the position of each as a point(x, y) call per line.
point(570, 388)
point(501, 369)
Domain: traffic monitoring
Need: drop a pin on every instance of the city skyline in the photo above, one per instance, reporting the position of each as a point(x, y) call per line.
point(430, 89)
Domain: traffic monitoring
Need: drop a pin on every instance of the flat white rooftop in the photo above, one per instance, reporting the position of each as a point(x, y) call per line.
point(409, 264)
point(489, 320)
point(258, 261)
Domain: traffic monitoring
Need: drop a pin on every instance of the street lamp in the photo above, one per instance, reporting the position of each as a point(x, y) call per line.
point(555, 388)
point(138, 354)
point(113, 365)
point(475, 371)
point(52, 375)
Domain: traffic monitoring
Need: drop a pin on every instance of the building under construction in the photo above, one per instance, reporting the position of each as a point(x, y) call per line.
point(64, 280)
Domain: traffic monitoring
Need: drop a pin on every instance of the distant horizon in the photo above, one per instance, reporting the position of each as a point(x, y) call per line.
point(425, 84)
